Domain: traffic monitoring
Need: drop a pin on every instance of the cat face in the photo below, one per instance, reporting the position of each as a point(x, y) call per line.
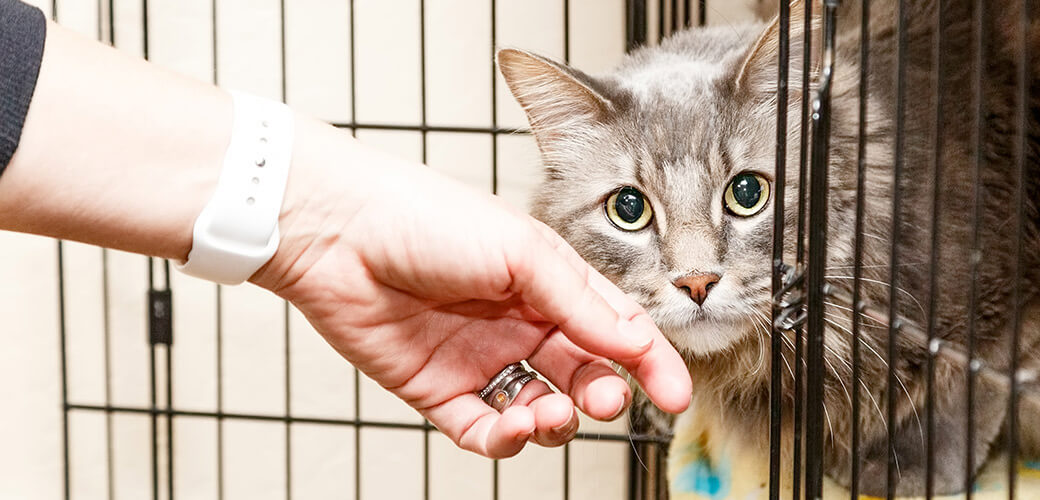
point(661, 176)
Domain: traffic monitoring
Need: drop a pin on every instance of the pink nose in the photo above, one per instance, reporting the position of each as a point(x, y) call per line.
point(698, 285)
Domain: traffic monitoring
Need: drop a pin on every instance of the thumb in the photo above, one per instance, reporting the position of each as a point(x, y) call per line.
point(597, 316)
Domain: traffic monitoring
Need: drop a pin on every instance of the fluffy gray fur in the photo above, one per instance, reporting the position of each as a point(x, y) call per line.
point(680, 120)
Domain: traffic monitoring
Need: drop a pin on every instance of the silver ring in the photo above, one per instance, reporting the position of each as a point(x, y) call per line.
point(505, 386)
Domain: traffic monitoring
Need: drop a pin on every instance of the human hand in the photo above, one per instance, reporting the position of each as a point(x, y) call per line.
point(430, 288)
point(426, 286)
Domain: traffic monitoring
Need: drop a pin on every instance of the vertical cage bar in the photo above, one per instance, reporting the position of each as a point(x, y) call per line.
point(566, 31)
point(803, 145)
point(151, 286)
point(566, 60)
point(62, 332)
point(288, 408)
point(637, 473)
point(424, 152)
point(353, 131)
point(168, 351)
point(285, 304)
point(776, 344)
point(687, 14)
point(897, 199)
point(1021, 147)
point(674, 17)
point(660, 21)
point(153, 388)
point(111, 23)
point(287, 368)
point(220, 393)
point(803, 185)
point(567, 471)
point(636, 22)
point(818, 259)
point(106, 321)
point(702, 12)
point(219, 307)
point(106, 318)
point(979, 133)
point(938, 57)
point(494, 171)
point(494, 100)
point(857, 306)
point(661, 470)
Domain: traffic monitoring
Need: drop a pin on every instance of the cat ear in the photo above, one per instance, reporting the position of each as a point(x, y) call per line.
point(758, 72)
point(555, 97)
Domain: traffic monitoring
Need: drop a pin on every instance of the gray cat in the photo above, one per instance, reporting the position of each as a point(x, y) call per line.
point(661, 175)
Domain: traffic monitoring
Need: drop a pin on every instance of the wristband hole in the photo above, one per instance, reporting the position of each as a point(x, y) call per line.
point(263, 140)
point(256, 180)
point(261, 162)
point(250, 200)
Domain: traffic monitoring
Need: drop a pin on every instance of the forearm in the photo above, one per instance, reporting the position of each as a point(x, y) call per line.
point(120, 153)
point(114, 152)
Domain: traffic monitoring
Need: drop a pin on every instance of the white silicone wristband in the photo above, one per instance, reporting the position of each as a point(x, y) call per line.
point(237, 231)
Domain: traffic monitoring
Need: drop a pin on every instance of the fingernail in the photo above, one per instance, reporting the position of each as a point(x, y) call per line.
point(566, 427)
point(639, 335)
point(621, 409)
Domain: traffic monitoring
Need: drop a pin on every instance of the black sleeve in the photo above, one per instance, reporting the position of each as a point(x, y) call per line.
point(22, 30)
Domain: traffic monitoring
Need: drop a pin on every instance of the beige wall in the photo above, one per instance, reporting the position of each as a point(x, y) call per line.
point(105, 291)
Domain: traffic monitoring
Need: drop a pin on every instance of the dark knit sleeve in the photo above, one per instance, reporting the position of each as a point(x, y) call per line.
point(22, 30)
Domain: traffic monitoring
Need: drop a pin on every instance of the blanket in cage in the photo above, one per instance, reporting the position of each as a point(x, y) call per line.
point(703, 465)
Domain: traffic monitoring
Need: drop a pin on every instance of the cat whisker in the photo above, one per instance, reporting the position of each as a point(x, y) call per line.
point(863, 340)
point(635, 451)
point(761, 329)
point(876, 266)
point(840, 317)
point(827, 415)
point(906, 392)
point(882, 283)
point(877, 323)
point(862, 383)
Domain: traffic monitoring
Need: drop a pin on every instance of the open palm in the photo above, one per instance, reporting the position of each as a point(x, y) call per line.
point(431, 288)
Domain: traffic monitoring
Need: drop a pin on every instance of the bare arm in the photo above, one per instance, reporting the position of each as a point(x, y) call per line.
point(425, 285)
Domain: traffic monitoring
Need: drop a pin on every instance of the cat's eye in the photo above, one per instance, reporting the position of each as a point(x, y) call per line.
point(628, 209)
point(746, 194)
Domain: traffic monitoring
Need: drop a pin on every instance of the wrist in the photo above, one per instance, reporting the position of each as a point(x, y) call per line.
point(326, 188)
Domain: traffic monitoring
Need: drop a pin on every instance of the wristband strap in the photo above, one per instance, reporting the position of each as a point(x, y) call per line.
point(237, 231)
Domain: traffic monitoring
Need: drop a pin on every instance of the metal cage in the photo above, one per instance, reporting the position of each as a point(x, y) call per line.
point(802, 279)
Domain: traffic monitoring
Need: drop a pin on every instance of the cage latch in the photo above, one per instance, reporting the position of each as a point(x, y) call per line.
point(160, 316)
point(790, 299)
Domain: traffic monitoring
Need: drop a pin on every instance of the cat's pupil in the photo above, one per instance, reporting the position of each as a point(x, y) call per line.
point(629, 205)
point(746, 190)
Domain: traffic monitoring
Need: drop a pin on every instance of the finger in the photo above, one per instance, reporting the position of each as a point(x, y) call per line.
point(589, 380)
point(545, 276)
point(588, 311)
point(660, 371)
point(614, 296)
point(472, 425)
point(662, 374)
point(556, 421)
